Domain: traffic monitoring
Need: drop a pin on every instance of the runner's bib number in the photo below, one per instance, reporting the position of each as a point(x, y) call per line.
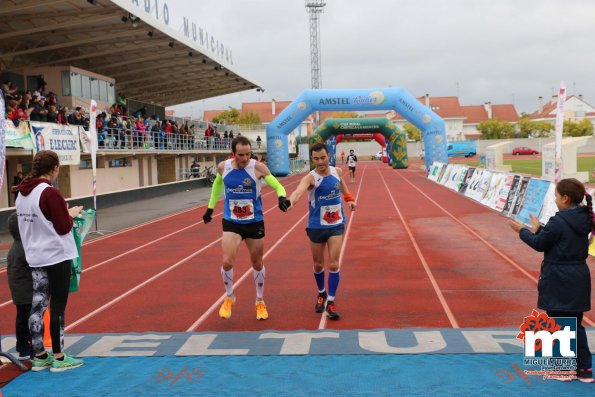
point(241, 210)
point(330, 215)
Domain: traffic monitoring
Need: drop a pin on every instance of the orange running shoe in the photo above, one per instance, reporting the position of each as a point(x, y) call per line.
point(261, 310)
point(225, 310)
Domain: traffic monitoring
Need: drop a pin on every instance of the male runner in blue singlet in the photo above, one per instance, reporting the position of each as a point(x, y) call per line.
point(239, 179)
point(326, 223)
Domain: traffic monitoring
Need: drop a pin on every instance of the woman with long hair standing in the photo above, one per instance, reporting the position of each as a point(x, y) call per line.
point(45, 223)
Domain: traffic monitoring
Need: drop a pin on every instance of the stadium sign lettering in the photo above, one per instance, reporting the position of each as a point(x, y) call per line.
point(160, 10)
point(334, 101)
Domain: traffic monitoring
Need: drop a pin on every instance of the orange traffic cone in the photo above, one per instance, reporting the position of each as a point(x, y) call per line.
point(47, 337)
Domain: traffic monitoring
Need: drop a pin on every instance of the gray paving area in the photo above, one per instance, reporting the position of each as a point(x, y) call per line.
point(122, 216)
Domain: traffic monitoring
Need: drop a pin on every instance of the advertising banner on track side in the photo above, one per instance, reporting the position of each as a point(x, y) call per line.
point(62, 139)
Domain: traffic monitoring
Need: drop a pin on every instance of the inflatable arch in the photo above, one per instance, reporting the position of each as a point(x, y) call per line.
point(382, 130)
point(429, 123)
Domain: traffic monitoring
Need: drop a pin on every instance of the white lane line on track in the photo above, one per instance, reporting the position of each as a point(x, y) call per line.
point(492, 247)
point(148, 243)
point(139, 286)
point(323, 317)
point(447, 310)
point(218, 302)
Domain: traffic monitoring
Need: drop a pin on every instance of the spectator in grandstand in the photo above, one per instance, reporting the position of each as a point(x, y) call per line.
point(112, 131)
point(100, 131)
point(184, 136)
point(76, 117)
point(52, 100)
point(63, 116)
point(139, 129)
point(121, 100)
point(86, 122)
point(45, 224)
point(258, 141)
point(114, 111)
point(15, 113)
point(52, 116)
point(231, 135)
point(40, 111)
point(155, 135)
point(10, 91)
point(175, 135)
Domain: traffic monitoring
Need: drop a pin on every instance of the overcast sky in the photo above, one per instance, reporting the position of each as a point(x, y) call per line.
point(503, 51)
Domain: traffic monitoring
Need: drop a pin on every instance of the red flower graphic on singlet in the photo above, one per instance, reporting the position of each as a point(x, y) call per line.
point(538, 322)
point(242, 212)
point(331, 216)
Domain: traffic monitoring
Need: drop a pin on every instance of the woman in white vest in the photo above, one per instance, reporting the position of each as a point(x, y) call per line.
point(45, 223)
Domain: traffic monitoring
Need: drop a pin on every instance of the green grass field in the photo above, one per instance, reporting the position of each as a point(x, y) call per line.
point(533, 166)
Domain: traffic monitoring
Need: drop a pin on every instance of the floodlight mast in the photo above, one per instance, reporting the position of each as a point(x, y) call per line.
point(315, 8)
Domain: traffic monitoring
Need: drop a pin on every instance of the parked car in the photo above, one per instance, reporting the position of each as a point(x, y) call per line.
point(517, 151)
point(378, 156)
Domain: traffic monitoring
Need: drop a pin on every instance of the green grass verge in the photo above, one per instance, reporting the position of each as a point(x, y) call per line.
point(533, 166)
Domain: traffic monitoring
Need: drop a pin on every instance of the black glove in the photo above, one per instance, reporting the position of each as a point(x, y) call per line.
point(207, 216)
point(284, 204)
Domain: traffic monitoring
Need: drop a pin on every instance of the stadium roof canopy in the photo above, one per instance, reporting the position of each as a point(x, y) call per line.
point(151, 60)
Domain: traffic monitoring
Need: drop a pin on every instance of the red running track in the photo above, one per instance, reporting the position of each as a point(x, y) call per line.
point(417, 255)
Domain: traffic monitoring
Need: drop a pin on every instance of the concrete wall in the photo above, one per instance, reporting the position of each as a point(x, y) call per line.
point(109, 179)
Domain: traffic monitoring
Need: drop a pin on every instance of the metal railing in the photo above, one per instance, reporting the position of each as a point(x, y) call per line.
point(125, 139)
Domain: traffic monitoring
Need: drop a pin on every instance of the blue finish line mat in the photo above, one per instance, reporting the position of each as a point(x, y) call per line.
point(324, 375)
point(377, 341)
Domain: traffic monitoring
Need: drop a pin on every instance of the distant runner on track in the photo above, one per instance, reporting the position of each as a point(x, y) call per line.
point(351, 163)
point(239, 179)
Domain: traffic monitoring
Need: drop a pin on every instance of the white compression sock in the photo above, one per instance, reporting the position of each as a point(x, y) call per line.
point(227, 277)
point(259, 277)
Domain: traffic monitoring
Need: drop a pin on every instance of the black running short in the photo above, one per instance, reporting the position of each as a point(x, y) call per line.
point(352, 169)
point(253, 230)
point(321, 236)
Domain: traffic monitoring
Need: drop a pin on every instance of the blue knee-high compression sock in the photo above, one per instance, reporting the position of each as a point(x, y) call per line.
point(333, 283)
point(319, 277)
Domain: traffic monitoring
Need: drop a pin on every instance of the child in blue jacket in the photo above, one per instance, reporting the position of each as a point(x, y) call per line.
point(564, 286)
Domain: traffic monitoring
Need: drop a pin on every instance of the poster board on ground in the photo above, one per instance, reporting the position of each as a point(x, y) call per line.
point(455, 177)
point(446, 174)
point(520, 197)
point(482, 187)
point(435, 171)
point(549, 207)
point(503, 191)
point(510, 200)
point(491, 196)
point(534, 197)
point(474, 183)
point(466, 180)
